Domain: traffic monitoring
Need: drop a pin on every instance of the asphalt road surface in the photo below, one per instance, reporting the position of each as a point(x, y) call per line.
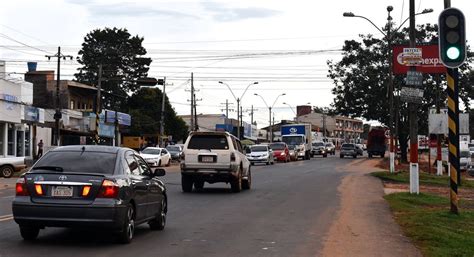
point(287, 212)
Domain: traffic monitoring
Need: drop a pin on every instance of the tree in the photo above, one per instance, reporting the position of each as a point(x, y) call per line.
point(121, 57)
point(145, 108)
point(360, 81)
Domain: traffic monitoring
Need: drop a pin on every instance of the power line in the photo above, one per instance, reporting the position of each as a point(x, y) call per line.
point(19, 42)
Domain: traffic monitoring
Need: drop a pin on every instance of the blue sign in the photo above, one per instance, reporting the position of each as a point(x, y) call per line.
point(31, 113)
point(224, 127)
point(123, 118)
point(106, 130)
point(289, 130)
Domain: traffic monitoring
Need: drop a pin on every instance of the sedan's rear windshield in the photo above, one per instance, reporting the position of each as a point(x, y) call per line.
point(173, 148)
point(78, 162)
point(277, 146)
point(152, 151)
point(259, 148)
point(348, 146)
point(218, 142)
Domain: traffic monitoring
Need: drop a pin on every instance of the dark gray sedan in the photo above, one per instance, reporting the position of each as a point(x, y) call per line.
point(90, 187)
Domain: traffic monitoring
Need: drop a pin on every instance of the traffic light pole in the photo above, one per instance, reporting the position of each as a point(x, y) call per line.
point(453, 125)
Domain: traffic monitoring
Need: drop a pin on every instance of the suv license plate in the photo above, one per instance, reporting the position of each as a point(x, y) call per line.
point(207, 159)
point(62, 191)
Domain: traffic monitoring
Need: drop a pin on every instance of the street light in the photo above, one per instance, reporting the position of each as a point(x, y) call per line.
point(151, 82)
point(238, 103)
point(389, 38)
point(270, 129)
point(291, 108)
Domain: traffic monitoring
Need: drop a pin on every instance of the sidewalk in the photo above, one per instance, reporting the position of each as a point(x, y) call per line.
point(364, 225)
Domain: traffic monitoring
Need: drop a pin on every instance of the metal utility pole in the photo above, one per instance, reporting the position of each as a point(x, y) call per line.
point(413, 120)
point(98, 104)
point(192, 102)
point(390, 90)
point(324, 125)
point(162, 120)
point(58, 114)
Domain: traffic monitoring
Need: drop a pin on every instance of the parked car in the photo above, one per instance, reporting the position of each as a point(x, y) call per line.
point(156, 157)
point(330, 148)
point(214, 157)
point(175, 151)
point(359, 150)
point(348, 150)
point(293, 153)
point(465, 159)
point(281, 152)
point(318, 148)
point(90, 187)
point(260, 154)
point(10, 165)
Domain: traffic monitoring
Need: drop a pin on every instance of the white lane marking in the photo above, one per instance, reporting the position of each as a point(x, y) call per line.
point(6, 217)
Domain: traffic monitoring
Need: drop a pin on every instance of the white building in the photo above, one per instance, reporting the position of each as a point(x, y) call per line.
point(18, 119)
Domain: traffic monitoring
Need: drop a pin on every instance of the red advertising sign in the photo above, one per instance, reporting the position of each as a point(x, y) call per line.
point(430, 62)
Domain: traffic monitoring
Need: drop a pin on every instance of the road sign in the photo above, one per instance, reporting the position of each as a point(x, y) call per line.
point(412, 56)
point(411, 95)
point(414, 78)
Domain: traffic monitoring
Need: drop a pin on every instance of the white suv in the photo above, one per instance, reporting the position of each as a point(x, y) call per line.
point(214, 157)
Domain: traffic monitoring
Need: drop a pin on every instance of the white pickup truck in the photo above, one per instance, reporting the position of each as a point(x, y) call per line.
point(9, 165)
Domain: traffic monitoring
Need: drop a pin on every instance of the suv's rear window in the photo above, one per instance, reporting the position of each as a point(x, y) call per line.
point(348, 146)
point(218, 142)
point(277, 146)
point(80, 162)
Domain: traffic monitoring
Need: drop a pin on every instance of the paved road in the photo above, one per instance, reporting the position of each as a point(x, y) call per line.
point(286, 213)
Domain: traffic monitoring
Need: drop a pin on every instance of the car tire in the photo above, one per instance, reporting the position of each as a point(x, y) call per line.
point(159, 222)
point(186, 183)
point(169, 163)
point(355, 156)
point(159, 163)
point(382, 155)
point(126, 235)
point(236, 183)
point(199, 185)
point(247, 183)
point(370, 155)
point(29, 233)
point(267, 163)
point(341, 156)
point(325, 155)
point(7, 171)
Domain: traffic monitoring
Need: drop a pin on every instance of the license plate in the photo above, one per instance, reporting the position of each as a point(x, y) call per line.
point(62, 191)
point(207, 159)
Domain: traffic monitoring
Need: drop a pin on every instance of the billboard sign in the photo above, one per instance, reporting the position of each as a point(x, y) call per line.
point(429, 62)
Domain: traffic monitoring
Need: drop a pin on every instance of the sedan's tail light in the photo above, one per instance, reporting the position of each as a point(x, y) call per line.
point(20, 188)
point(39, 189)
point(109, 189)
point(232, 157)
point(85, 191)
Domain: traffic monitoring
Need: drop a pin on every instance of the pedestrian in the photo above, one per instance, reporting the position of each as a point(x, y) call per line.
point(40, 149)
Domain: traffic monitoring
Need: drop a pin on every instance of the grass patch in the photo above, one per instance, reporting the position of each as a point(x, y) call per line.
point(425, 179)
point(426, 219)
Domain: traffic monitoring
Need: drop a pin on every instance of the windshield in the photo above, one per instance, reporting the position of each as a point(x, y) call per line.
point(293, 140)
point(277, 146)
point(218, 142)
point(318, 144)
point(465, 154)
point(153, 151)
point(291, 147)
point(79, 162)
point(348, 146)
point(260, 148)
point(173, 148)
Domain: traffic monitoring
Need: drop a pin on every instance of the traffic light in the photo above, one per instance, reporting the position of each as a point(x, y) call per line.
point(452, 37)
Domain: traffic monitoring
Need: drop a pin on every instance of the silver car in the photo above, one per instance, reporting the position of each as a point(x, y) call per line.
point(260, 154)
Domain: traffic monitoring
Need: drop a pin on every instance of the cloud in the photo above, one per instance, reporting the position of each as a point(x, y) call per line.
point(126, 9)
point(226, 14)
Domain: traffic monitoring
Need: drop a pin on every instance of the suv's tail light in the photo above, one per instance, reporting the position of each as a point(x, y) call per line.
point(20, 188)
point(232, 157)
point(109, 189)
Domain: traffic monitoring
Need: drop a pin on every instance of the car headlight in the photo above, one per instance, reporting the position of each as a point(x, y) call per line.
point(282, 154)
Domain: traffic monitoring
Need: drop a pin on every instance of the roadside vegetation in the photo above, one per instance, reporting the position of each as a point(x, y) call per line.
point(427, 221)
point(425, 179)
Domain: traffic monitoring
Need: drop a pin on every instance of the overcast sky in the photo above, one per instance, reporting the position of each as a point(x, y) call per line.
point(283, 45)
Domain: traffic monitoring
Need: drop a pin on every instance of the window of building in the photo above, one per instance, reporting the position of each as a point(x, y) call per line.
point(20, 143)
point(27, 141)
point(72, 105)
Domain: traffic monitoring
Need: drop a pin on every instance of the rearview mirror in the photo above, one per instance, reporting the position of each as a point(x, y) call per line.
point(158, 172)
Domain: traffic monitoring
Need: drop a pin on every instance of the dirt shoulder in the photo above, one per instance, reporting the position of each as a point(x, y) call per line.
point(364, 225)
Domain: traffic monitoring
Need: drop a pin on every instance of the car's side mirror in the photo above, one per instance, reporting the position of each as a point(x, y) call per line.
point(158, 172)
point(247, 150)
